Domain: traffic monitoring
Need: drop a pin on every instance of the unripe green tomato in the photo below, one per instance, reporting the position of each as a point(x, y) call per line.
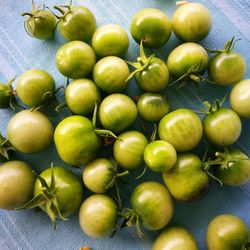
point(110, 40)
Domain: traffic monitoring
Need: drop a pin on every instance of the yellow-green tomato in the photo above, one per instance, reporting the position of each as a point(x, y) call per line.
point(152, 107)
point(75, 59)
point(98, 174)
point(175, 238)
point(81, 96)
point(98, 216)
point(110, 74)
point(192, 22)
point(110, 40)
point(227, 232)
point(160, 156)
point(182, 128)
point(17, 180)
point(152, 203)
point(30, 132)
point(240, 98)
point(129, 148)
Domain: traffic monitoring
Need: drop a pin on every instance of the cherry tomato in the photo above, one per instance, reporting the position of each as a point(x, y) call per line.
point(81, 96)
point(192, 22)
point(117, 112)
point(160, 156)
point(76, 23)
point(110, 40)
point(187, 181)
point(152, 26)
point(34, 86)
point(16, 184)
point(76, 140)
point(240, 98)
point(75, 59)
point(98, 216)
point(110, 74)
point(152, 204)
point(222, 127)
point(152, 107)
point(175, 238)
point(30, 132)
point(182, 128)
point(129, 148)
point(227, 232)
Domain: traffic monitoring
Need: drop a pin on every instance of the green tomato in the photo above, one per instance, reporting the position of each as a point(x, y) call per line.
point(152, 26)
point(129, 148)
point(77, 23)
point(240, 98)
point(98, 174)
point(16, 184)
point(68, 190)
point(30, 132)
point(110, 40)
point(175, 238)
point(182, 128)
point(33, 86)
point(192, 22)
point(110, 74)
point(152, 107)
point(187, 181)
point(185, 56)
point(81, 96)
point(75, 59)
point(76, 140)
point(117, 112)
point(222, 127)
point(227, 232)
point(98, 216)
point(160, 156)
point(153, 205)
point(5, 95)
point(233, 168)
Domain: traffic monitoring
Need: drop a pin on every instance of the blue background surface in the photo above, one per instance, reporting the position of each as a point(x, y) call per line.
point(19, 52)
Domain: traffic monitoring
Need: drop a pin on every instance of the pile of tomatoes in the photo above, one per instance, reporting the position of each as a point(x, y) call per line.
point(102, 115)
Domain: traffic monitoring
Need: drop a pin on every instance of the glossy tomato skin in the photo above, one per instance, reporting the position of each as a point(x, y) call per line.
point(176, 238)
point(182, 128)
point(16, 184)
point(186, 180)
point(76, 140)
point(5, 97)
point(30, 132)
point(192, 22)
point(98, 174)
point(110, 40)
point(81, 96)
point(186, 55)
point(69, 189)
point(222, 127)
point(236, 169)
point(152, 106)
point(98, 216)
point(129, 148)
point(227, 68)
point(152, 26)
point(117, 112)
point(160, 156)
point(227, 232)
point(33, 85)
point(75, 59)
point(78, 24)
point(153, 204)
point(110, 74)
point(240, 98)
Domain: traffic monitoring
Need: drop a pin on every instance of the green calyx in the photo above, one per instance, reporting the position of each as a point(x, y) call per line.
point(212, 108)
point(63, 9)
point(142, 62)
point(47, 199)
point(5, 147)
point(7, 95)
